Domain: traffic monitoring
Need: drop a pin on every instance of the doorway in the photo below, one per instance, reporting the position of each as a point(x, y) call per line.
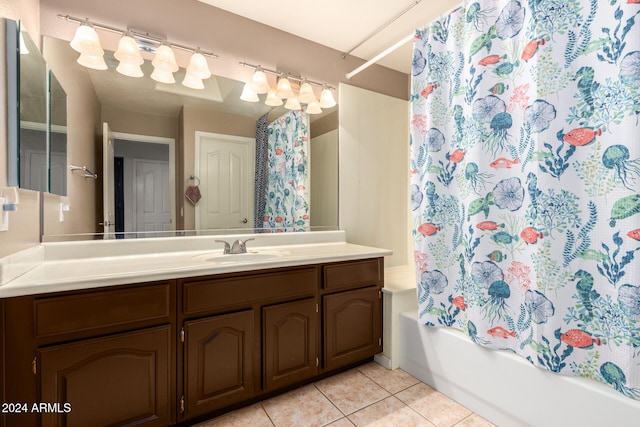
point(147, 190)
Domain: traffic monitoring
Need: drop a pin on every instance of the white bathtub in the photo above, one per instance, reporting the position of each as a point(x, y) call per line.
point(505, 388)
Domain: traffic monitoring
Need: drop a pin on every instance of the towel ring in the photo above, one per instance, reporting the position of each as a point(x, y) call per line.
point(194, 179)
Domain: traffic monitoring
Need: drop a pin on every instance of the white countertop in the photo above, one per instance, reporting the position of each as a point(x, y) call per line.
point(54, 267)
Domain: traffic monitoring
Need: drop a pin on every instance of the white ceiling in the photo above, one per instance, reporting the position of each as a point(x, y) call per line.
point(343, 24)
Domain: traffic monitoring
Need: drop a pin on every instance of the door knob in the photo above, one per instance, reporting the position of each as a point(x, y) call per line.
point(244, 221)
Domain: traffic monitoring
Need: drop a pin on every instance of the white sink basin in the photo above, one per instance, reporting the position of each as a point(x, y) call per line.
point(249, 257)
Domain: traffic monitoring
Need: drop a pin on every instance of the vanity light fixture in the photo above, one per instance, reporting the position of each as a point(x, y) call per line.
point(259, 84)
point(248, 94)
point(326, 98)
point(87, 43)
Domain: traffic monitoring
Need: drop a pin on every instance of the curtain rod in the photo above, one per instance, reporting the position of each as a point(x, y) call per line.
point(381, 55)
point(377, 31)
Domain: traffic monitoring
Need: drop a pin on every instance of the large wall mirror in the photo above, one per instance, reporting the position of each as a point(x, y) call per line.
point(37, 117)
point(154, 128)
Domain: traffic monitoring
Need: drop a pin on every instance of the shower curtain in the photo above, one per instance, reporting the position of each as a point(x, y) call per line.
point(525, 181)
point(262, 157)
point(287, 193)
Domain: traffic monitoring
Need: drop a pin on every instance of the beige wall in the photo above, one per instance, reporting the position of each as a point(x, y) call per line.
point(324, 178)
point(374, 171)
point(197, 119)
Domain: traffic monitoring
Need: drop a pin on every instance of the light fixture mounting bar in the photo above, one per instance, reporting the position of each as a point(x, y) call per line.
point(288, 75)
point(137, 34)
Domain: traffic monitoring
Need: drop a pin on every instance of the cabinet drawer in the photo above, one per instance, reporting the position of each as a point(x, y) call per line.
point(205, 295)
point(353, 274)
point(102, 311)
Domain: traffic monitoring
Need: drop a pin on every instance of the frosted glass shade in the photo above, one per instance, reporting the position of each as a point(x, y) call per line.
point(128, 51)
point(248, 94)
point(284, 88)
point(131, 70)
point(314, 108)
point(326, 98)
point(292, 104)
point(95, 62)
point(86, 41)
point(163, 76)
point(259, 82)
point(192, 81)
point(198, 66)
point(272, 100)
point(165, 60)
point(306, 94)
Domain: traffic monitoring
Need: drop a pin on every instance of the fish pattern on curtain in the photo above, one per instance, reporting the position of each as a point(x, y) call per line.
point(287, 205)
point(525, 186)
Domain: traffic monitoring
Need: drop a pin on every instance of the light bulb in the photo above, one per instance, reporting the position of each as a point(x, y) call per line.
point(131, 70)
point(95, 62)
point(248, 94)
point(284, 88)
point(198, 66)
point(259, 82)
point(163, 76)
point(192, 81)
point(313, 108)
point(86, 40)
point(128, 51)
point(326, 98)
point(165, 59)
point(272, 100)
point(306, 94)
point(293, 104)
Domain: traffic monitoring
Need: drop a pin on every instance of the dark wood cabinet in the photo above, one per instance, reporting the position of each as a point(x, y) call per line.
point(218, 362)
point(290, 334)
point(167, 352)
point(122, 379)
point(352, 326)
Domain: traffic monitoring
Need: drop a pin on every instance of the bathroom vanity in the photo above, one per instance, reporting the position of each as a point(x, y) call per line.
point(168, 351)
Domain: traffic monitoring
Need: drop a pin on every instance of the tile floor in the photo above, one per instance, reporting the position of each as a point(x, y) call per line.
point(368, 395)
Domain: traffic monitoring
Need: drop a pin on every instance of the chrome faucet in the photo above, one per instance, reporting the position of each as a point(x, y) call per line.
point(238, 247)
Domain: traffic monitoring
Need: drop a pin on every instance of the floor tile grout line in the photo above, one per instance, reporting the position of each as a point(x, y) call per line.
point(273, 423)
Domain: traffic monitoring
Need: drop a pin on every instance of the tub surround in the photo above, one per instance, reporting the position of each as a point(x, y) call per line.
point(64, 266)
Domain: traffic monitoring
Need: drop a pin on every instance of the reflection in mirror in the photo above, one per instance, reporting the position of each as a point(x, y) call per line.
point(32, 102)
point(144, 108)
point(57, 137)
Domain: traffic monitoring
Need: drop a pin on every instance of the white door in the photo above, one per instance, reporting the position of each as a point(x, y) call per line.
point(108, 193)
point(225, 166)
point(151, 197)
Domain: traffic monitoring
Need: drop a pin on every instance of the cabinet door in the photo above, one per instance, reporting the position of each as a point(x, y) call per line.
point(290, 342)
point(218, 358)
point(352, 326)
point(119, 380)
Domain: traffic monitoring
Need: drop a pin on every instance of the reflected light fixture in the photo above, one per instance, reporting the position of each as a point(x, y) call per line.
point(95, 62)
point(272, 99)
point(259, 84)
point(314, 108)
point(326, 98)
point(293, 104)
point(129, 56)
point(248, 94)
point(87, 43)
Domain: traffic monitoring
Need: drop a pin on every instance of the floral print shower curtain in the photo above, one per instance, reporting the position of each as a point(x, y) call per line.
point(525, 188)
point(287, 195)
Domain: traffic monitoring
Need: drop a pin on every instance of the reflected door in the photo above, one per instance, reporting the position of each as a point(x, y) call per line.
point(151, 198)
point(108, 191)
point(225, 166)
